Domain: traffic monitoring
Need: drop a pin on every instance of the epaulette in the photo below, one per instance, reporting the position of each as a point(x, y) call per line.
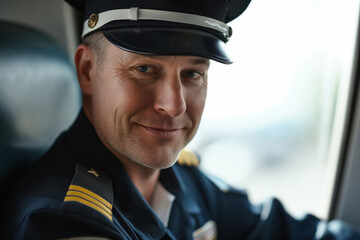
point(92, 189)
point(188, 158)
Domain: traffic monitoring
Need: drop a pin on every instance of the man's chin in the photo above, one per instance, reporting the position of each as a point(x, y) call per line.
point(157, 157)
point(156, 164)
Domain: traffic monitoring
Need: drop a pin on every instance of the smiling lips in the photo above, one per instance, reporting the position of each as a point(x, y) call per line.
point(162, 132)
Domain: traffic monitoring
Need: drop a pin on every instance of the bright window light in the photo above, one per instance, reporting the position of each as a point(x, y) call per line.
point(269, 116)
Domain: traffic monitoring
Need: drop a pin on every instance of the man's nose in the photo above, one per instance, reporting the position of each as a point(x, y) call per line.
point(170, 98)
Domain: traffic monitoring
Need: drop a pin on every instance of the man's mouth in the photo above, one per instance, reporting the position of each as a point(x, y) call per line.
point(162, 132)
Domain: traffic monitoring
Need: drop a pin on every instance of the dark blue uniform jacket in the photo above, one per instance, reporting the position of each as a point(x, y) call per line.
point(78, 188)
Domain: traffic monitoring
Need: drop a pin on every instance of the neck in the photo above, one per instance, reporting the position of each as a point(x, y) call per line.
point(144, 178)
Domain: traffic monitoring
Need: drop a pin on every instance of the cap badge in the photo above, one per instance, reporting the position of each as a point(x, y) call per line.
point(93, 19)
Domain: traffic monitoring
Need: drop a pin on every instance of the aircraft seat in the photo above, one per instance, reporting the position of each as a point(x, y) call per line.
point(39, 97)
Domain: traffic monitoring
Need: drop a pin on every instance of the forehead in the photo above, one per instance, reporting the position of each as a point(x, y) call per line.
point(126, 56)
point(185, 59)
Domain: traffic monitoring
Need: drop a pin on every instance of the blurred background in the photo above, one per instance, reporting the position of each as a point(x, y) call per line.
point(270, 117)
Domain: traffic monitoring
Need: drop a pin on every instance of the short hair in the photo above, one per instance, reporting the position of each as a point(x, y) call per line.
point(98, 44)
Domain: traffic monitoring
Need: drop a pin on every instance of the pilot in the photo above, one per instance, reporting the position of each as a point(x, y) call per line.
point(120, 172)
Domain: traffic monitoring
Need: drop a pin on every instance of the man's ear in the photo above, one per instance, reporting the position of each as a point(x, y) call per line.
point(85, 64)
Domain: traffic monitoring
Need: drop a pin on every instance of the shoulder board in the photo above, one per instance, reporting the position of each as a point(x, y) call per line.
point(92, 189)
point(188, 158)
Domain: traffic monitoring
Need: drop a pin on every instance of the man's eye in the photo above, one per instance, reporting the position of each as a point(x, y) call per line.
point(145, 69)
point(192, 74)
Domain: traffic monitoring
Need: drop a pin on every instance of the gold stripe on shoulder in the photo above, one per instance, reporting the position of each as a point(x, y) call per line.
point(84, 196)
point(92, 194)
point(71, 193)
point(89, 204)
point(188, 158)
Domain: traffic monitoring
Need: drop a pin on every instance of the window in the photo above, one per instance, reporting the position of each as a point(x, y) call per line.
point(269, 118)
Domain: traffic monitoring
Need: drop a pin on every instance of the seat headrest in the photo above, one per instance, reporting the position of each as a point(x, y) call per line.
point(39, 94)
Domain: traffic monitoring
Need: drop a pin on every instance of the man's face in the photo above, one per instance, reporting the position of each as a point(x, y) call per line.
point(146, 109)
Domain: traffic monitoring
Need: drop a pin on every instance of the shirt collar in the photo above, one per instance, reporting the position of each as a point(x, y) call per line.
point(161, 203)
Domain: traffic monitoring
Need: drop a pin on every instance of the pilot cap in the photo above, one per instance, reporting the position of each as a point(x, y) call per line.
point(164, 27)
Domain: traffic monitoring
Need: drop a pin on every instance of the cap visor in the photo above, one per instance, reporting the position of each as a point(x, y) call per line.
point(169, 41)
